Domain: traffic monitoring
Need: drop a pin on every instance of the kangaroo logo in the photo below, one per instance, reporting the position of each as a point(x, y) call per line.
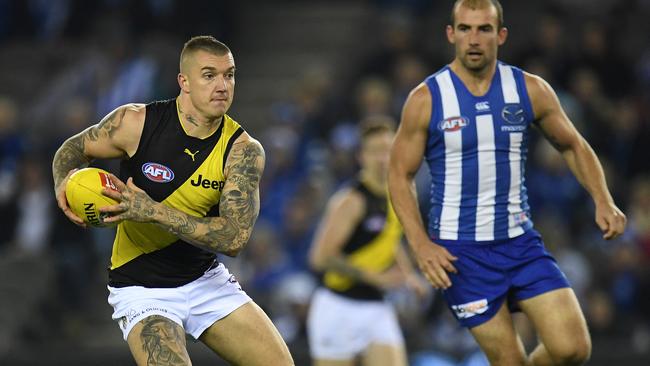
point(188, 152)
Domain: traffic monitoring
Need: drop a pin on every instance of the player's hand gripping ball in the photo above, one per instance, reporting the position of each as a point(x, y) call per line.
point(84, 194)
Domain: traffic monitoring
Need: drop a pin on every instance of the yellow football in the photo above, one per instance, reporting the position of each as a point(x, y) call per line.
point(84, 194)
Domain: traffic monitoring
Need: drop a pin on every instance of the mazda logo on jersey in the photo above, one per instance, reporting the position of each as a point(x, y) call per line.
point(157, 172)
point(453, 124)
point(513, 114)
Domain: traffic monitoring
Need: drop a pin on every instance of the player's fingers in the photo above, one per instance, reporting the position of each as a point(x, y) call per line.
point(112, 218)
point(444, 279)
point(112, 209)
point(116, 195)
point(430, 275)
point(132, 185)
point(450, 256)
point(448, 266)
point(74, 218)
point(602, 223)
point(117, 182)
point(61, 200)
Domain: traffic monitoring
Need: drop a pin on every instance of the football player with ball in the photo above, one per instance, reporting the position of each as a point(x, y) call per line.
point(188, 189)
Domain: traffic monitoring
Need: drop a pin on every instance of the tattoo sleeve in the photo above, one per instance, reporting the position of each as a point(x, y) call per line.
point(69, 156)
point(238, 208)
point(72, 153)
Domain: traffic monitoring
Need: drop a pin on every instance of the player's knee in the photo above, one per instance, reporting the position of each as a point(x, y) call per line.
point(504, 357)
point(576, 352)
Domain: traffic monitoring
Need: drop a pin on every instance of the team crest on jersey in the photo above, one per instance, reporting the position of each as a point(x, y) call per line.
point(453, 124)
point(157, 172)
point(513, 114)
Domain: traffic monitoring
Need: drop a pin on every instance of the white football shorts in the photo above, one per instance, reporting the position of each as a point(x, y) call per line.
point(340, 328)
point(194, 306)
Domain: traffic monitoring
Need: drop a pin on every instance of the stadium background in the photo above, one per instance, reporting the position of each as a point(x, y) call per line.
point(308, 71)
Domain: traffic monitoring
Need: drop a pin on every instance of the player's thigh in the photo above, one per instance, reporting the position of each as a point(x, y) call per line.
point(157, 340)
point(384, 355)
point(558, 319)
point(247, 337)
point(499, 340)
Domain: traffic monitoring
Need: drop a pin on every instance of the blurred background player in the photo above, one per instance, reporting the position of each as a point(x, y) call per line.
point(470, 120)
point(165, 279)
point(358, 250)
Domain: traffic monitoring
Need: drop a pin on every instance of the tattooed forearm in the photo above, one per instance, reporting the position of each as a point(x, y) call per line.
point(69, 156)
point(163, 341)
point(238, 207)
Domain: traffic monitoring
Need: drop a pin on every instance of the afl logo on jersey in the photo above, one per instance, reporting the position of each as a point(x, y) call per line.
point(157, 172)
point(453, 124)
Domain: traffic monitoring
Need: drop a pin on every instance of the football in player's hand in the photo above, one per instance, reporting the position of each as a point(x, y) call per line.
point(84, 194)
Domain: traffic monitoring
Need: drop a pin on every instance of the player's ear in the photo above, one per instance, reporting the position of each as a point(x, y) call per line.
point(503, 35)
point(450, 34)
point(183, 82)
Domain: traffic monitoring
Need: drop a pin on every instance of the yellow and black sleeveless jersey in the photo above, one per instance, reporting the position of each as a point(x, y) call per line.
point(371, 247)
point(183, 172)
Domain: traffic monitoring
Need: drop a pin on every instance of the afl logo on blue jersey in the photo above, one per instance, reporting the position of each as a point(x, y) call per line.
point(513, 114)
point(453, 124)
point(157, 172)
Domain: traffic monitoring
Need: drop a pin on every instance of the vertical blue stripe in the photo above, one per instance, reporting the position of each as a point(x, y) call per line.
point(502, 146)
point(525, 100)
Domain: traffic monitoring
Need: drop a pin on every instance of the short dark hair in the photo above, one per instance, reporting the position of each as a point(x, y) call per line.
point(375, 124)
point(478, 4)
point(204, 43)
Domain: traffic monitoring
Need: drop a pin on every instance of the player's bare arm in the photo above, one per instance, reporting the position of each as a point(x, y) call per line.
point(580, 157)
point(116, 135)
point(238, 208)
point(405, 159)
point(343, 213)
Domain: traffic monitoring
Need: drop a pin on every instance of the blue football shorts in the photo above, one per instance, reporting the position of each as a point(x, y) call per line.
point(490, 272)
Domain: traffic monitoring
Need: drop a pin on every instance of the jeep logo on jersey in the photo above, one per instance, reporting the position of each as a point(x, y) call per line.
point(157, 172)
point(206, 183)
point(513, 114)
point(453, 124)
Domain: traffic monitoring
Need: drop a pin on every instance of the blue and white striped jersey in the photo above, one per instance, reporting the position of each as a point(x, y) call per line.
point(476, 151)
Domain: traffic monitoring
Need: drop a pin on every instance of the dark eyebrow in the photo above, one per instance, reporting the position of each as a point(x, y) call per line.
point(213, 69)
point(478, 26)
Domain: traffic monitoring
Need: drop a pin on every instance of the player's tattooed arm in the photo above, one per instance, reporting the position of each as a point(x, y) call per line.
point(238, 208)
point(79, 150)
point(239, 205)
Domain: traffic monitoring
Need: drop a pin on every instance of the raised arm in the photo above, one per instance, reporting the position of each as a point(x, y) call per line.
point(238, 208)
point(117, 135)
point(405, 159)
point(580, 157)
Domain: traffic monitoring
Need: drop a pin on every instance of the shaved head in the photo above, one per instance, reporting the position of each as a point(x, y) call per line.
point(478, 4)
point(201, 43)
